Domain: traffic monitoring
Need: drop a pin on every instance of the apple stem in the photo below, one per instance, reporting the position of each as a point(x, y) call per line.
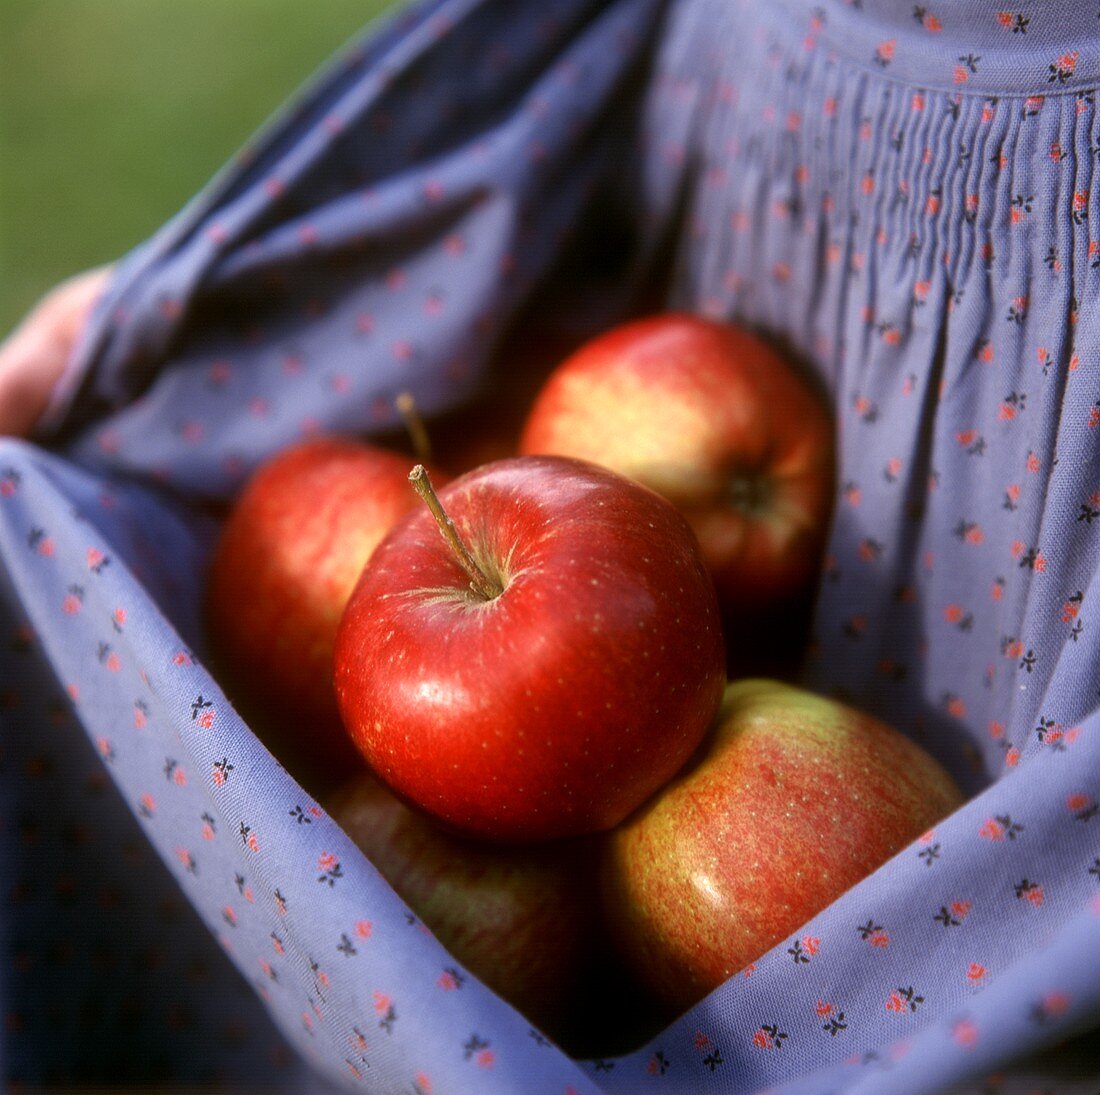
point(484, 586)
point(414, 426)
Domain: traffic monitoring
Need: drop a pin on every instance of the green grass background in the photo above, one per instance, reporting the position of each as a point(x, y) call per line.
point(114, 112)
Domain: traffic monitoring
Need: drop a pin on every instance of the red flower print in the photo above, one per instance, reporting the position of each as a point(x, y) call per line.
point(253, 842)
point(965, 1033)
point(823, 1009)
point(975, 971)
point(1070, 609)
point(192, 432)
point(1064, 67)
point(769, 1036)
point(1082, 806)
point(656, 1066)
point(884, 53)
point(992, 830)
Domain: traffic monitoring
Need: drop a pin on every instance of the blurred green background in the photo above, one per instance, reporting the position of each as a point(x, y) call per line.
point(114, 112)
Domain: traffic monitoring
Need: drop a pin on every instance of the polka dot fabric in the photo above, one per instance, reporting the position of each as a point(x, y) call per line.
point(904, 196)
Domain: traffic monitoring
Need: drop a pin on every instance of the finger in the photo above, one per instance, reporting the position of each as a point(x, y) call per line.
point(35, 355)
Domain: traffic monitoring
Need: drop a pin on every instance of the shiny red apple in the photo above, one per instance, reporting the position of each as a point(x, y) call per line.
point(523, 920)
point(792, 800)
point(290, 553)
point(548, 683)
point(710, 416)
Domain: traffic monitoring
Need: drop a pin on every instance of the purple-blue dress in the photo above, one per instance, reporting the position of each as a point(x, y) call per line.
point(906, 196)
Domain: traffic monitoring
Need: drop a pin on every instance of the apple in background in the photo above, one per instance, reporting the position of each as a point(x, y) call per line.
point(525, 921)
point(708, 415)
point(792, 800)
point(289, 555)
point(549, 681)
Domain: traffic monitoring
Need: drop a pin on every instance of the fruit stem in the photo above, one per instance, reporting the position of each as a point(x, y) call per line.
point(414, 426)
point(480, 582)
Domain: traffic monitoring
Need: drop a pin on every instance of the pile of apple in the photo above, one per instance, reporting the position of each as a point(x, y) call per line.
point(563, 755)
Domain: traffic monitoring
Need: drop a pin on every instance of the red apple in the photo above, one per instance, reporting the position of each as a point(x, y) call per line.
point(525, 921)
point(288, 558)
point(793, 799)
point(554, 693)
point(708, 415)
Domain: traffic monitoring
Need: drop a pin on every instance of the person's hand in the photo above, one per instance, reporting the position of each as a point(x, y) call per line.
point(33, 357)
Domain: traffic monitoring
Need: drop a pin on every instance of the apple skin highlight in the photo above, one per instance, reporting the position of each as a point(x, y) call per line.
point(557, 707)
point(792, 800)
